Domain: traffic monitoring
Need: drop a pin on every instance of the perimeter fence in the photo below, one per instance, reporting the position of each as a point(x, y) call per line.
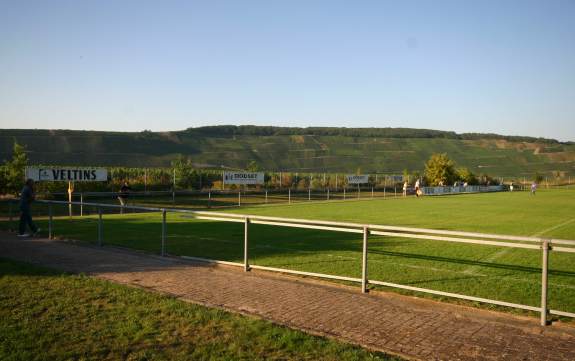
point(231, 198)
point(532, 244)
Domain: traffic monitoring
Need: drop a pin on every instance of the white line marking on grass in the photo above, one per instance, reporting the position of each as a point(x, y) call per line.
point(553, 228)
point(473, 270)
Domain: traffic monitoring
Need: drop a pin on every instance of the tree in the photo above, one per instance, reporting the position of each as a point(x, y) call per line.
point(465, 175)
point(186, 175)
point(15, 169)
point(252, 166)
point(440, 170)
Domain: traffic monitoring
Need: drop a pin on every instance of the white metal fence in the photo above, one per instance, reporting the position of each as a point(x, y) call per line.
point(432, 191)
point(543, 245)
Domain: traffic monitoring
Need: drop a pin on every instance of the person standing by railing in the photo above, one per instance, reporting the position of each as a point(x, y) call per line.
point(27, 196)
point(123, 196)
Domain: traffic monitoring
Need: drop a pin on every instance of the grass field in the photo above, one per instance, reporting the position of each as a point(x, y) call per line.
point(46, 315)
point(504, 274)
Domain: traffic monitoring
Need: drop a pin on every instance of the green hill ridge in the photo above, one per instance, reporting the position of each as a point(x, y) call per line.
point(329, 149)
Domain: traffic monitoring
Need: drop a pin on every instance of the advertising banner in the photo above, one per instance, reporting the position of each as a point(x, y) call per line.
point(357, 179)
point(243, 178)
point(64, 174)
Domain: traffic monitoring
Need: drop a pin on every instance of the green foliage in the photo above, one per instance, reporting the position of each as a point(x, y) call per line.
point(465, 175)
point(253, 166)
point(14, 170)
point(440, 170)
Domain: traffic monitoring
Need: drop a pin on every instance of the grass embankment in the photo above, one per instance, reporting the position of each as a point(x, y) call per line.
point(47, 315)
point(505, 274)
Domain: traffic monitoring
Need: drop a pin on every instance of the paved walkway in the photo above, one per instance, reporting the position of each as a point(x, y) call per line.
point(414, 328)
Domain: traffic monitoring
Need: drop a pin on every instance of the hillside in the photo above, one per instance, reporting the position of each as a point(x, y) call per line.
point(383, 150)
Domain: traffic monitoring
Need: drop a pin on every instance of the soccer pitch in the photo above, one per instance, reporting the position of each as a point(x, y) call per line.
point(505, 274)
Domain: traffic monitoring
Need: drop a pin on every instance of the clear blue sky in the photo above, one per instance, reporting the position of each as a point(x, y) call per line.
point(470, 66)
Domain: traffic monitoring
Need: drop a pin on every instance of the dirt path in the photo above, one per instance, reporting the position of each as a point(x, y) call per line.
point(415, 328)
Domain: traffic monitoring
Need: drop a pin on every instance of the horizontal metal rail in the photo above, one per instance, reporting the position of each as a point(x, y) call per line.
point(457, 295)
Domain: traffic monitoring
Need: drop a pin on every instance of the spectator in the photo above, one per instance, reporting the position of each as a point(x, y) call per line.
point(26, 198)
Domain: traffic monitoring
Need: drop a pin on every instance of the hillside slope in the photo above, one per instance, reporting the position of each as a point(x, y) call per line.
point(384, 150)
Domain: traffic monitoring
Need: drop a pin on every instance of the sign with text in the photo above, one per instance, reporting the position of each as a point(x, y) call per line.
point(357, 179)
point(243, 178)
point(39, 174)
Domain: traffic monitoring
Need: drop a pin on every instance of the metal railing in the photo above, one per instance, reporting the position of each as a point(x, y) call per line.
point(533, 243)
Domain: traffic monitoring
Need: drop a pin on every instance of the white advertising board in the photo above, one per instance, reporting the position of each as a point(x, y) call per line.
point(243, 178)
point(357, 179)
point(39, 174)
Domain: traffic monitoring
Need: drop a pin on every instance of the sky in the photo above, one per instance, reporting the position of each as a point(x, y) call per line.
point(505, 67)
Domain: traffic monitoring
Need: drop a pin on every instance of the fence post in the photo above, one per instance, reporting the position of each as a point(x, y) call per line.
point(344, 193)
point(10, 212)
point(289, 195)
point(371, 192)
point(328, 194)
point(173, 197)
point(209, 199)
point(100, 235)
point(50, 221)
point(309, 194)
point(163, 232)
point(364, 261)
point(266, 196)
point(384, 191)
point(358, 191)
point(246, 264)
point(81, 204)
point(240, 198)
point(395, 191)
point(544, 277)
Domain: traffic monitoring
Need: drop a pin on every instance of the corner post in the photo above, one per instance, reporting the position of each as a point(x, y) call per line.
point(544, 277)
point(100, 230)
point(50, 227)
point(246, 263)
point(364, 261)
point(163, 251)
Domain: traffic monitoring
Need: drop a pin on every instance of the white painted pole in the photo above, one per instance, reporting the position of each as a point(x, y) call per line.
point(240, 198)
point(100, 230)
point(246, 264)
point(163, 251)
point(289, 195)
point(309, 194)
point(364, 261)
point(544, 278)
point(50, 229)
point(81, 204)
point(344, 193)
point(328, 194)
point(266, 196)
point(371, 192)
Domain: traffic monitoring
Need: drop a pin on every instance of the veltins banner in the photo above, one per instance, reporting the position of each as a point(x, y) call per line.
point(64, 174)
point(357, 179)
point(243, 178)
